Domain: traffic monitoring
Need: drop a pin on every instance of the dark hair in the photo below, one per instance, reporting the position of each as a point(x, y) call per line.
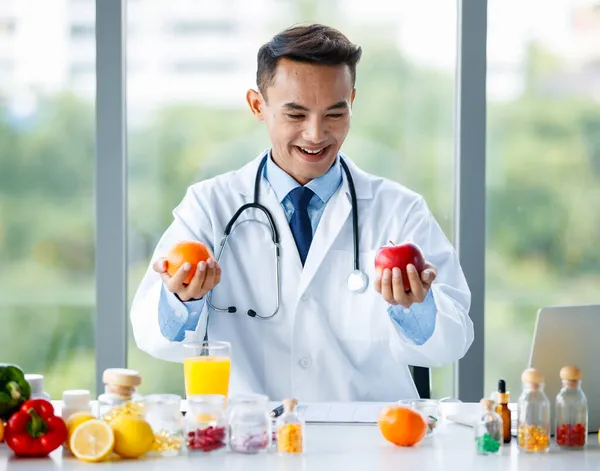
point(315, 44)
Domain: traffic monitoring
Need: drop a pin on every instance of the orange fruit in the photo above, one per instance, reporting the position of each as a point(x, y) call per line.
point(190, 251)
point(1, 431)
point(401, 425)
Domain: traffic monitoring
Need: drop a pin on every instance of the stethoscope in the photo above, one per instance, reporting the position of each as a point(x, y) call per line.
point(358, 280)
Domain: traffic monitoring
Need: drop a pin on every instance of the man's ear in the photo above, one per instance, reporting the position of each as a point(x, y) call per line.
point(256, 103)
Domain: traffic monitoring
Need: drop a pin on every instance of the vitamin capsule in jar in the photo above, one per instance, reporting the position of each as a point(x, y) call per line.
point(290, 429)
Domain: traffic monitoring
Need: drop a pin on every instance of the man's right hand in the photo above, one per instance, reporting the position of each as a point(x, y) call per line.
point(207, 276)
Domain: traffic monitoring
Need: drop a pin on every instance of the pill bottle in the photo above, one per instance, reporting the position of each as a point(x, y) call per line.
point(75, 400)
point(533, 430)
point(489, 430)
point(571, 410)
point(120, 395)
point(205, 424)
point(250, 424)
point(290, 429)
point(36, 382)
point(163, 413)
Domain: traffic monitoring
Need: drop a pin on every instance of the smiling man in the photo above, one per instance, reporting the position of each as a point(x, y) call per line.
point(321, 337)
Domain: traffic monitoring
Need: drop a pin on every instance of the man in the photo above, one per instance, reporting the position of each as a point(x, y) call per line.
point(325, 342)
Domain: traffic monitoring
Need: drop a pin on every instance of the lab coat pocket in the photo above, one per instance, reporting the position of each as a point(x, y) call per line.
point(357, 317)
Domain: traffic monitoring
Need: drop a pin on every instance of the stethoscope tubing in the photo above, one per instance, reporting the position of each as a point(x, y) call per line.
point(275, 236)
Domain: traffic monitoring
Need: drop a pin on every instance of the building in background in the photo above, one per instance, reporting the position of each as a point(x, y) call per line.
point(190, 51)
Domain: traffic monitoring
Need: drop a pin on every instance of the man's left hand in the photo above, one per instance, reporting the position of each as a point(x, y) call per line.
point(389, 284)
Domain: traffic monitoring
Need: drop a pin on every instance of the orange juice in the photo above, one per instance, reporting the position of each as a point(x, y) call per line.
point(206, 375)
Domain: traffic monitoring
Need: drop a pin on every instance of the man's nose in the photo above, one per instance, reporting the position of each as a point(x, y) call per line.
point(315, 131)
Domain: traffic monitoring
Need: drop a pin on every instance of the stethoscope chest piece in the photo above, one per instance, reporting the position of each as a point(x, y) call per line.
point(358, 281)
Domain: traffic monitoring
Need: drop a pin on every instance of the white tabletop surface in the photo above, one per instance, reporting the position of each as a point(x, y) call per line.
point(346, 447)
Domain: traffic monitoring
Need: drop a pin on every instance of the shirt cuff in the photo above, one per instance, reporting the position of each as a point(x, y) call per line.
point(176, 317)
point(418, 321)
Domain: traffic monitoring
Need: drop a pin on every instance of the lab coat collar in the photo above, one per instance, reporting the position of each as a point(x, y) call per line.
point(243, 181)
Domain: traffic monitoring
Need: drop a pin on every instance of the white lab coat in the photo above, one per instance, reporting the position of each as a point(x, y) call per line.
point(326, 343)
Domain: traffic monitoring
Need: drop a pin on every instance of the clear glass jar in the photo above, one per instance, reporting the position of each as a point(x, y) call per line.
point(120, 396)
point(250, 424)
point(533, 414)
point(571, 410)
point(290, 429)
point(205, 425)
point(163, 413)
point(430, 408)
point(489, 430)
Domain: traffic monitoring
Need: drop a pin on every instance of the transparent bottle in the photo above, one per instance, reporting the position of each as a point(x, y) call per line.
point(120, 396)
point(250, 424)
point(290, 429)
point(205, 424)
point(489, 430)
point(571, 410)
point(163, 413)
point(533, 414)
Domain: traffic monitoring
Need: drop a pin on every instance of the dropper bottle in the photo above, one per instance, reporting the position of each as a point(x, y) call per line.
point(503, 411)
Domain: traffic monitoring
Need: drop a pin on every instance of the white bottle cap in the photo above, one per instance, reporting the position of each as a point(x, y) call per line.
point(36, 382)
point(76, 398)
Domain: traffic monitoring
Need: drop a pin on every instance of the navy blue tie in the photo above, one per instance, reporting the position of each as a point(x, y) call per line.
point(300, 222)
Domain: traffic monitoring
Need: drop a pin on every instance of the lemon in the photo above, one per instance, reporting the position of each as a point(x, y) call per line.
point(133, 436)
point(92, 441)
point(74, 420)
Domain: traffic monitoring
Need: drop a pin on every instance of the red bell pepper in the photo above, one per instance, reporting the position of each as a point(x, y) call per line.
point(34, 430)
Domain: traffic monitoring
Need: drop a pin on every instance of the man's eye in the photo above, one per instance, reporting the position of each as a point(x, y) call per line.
point(336, 115)
point(295, 116)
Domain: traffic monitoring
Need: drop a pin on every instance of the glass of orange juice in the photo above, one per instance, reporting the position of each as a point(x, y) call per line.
point(206, 368)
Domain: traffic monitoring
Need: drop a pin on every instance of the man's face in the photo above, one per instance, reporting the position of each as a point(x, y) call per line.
point(307, 112)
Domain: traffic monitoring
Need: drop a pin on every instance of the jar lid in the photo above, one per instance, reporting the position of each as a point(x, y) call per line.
point(531, 375)
point(487, 404)
point(36, 382)
point(122, 377)
point(570, 373)
point(76, 398)
point(289, 405)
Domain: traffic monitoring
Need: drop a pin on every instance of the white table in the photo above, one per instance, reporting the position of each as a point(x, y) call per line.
point(345, 448)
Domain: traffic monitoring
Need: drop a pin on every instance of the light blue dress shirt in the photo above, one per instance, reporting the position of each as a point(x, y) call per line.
point(176, 317)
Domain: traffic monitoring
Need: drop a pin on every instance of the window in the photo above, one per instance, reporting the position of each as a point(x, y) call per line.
point(186, 28)
point(403, 122)
point(199, 67)
point(543, 172)
point(82, 30)
point(47, 282)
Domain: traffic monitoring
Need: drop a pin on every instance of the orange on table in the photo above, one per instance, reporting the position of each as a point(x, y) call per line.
point(190, 251)
point(401, 425)
point(1, 431)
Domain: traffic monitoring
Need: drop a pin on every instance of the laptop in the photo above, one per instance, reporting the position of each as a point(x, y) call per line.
point(569, 335)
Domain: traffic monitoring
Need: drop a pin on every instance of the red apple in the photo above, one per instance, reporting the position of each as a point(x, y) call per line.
point(399, 256)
